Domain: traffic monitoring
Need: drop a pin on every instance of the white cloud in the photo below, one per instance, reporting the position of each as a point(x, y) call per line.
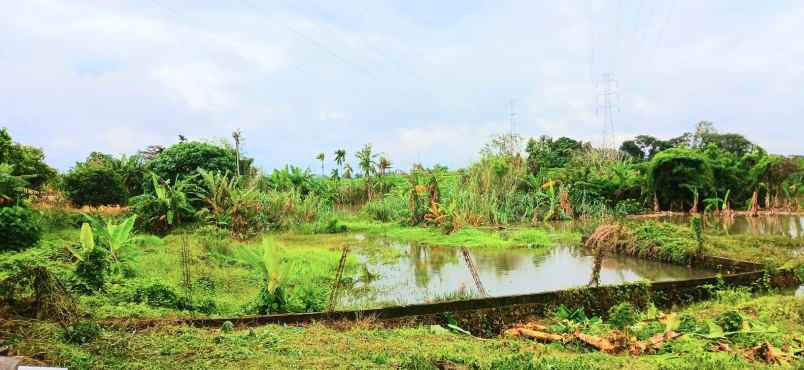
point(422, 83)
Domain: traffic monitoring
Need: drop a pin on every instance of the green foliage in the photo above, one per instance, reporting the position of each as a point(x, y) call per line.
point(296, 280)
point(95, 182)
point(164, 209)
point(547, 153)
point(730, 320)
point(19, 228)
point(93, 262)
point(82, 332)
point(623, 315)
point(181, 160)
point(672, 170)
point(12, 188)
point(152, 292)
point(664, 241)
point(28, 162)
point(386, 209)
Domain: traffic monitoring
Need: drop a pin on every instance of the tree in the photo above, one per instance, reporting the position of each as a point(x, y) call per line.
point(645, 147)
point(340, 158)
point(182, 160)
point(383, 164)
point(366, 161)
point(321, 158)
point(95, 182)
point(549, 153)
point(674, 171)
point(28, 162)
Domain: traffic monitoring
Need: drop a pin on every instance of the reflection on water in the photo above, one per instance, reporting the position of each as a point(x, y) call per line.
point(784, 225)
point(424, 274)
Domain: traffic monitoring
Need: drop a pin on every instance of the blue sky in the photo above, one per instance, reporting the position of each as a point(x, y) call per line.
point(420, 80)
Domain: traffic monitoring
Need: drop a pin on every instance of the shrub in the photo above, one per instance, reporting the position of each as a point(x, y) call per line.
point(183, 159)
point(19, 228)
point(730, 320)
point(12, 187)
point(622, 315)
point(154, 293)
point(95, 182)
point(91, 270)
point(82, 332)
point(689, 324)
point(164, 209)
point(386, 209)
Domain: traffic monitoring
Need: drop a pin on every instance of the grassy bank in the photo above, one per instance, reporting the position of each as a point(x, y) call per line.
point(368, 346)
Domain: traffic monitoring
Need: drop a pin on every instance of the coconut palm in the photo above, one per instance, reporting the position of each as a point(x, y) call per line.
point(383, 164)
point(321, 158)
point(366, 161)
point(340, 157)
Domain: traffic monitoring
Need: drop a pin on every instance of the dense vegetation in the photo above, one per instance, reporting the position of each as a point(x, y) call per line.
point(195, 229)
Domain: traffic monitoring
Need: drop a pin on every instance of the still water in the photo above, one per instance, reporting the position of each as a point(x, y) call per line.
point(782, 225)
point(419, 274)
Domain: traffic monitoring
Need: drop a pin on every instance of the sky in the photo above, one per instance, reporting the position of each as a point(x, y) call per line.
point(422, 81)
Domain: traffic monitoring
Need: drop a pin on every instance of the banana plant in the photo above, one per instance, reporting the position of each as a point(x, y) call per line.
point(86, 241)
point(117, 238)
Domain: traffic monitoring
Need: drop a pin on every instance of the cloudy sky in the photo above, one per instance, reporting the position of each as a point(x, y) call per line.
point(426, 81)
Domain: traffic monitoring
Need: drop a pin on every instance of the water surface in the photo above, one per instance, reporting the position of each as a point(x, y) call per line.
point(422, 274)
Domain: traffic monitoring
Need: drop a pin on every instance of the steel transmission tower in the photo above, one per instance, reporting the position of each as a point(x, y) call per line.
point(607, 105)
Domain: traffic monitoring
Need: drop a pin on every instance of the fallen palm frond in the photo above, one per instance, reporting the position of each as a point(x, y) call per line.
point(540, 336)
point(612, 343)
point(601, 344)
point(767, 353)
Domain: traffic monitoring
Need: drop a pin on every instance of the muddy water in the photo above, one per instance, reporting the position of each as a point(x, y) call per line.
point(420, 274)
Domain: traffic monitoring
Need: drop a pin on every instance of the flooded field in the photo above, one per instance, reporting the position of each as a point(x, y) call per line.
point(420, 274)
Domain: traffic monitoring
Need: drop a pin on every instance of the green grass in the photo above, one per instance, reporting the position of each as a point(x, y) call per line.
point(469, 237)
point(365, 345)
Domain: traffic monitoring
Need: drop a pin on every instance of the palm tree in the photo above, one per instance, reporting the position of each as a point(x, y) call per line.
point(365, 159)
point(340, 157)
point(383, 164)
point(321, 157)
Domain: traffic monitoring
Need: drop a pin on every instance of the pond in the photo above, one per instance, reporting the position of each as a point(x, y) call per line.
point(421, 274)
point(783, 225)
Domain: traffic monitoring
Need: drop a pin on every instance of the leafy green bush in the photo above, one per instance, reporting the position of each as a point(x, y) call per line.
point(26, 162)
point(664, 241)
point(163, 209)
point(153, 293)
point(623, 315)
point(730, 320)
point(385, 209)
point(95, 182)
point(689, 324)
point(19, 228)
point(12, 188)
point(183, 159)
point(82, 332)
point(91, 270)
